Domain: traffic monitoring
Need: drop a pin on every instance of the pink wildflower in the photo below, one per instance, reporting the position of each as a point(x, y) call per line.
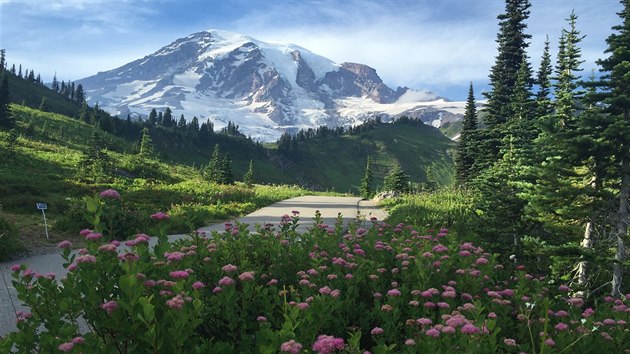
point(432, 332)
point(179, 274)
point(561, 326)
point(410, 342)
point(550, 342)
point(291, 346)
point(198, 285)
point(564, 288)
point(93, 236)
point(16, 268)
point(229, 268)
point(328, 344)
point(469, 329)
point(424, 321)
point(109, 306)
point(509, 342)
point(64, 244)
point(575, 301)
point(176, 303)
point(88, 258)
point(246, 276)
point(22, 316)
point(588, 312)
point(66, 347)
point(160, 216)
point(261, 319)
point(481, 261)
point(325, 290)
point(393, 292)
point(78, 340)
point(109, 194)
point(377, 330)
point(439, 248)
point(226, 281)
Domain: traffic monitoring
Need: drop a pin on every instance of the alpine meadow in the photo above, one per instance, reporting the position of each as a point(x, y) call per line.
point(494, 224)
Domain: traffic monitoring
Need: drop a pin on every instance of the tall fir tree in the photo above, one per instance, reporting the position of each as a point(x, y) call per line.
point(43, 106)
point(146, 144)
point(6, 118)
point(167, 118)
point(512, 43)
point(79, 94)
point(152, 120)
point(552, 199)
point(3, 60)
point(366, 188)
point(467, 145)
point(543, 81)
point(225, 169)
point(614, 86)
point(248, 178)
point(213, 173)
point(55, 83)
point(396, 180)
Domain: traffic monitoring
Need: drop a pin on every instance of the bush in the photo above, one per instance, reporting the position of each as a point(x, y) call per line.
point(384, 289)
point(9, 240)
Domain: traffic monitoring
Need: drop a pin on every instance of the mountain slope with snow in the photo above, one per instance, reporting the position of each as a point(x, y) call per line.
point(265, 88)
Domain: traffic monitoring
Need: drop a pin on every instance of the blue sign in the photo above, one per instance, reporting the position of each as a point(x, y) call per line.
point(42, 206)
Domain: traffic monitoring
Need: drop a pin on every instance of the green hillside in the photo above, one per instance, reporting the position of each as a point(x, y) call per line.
point(30, 94)
point(339, 162)
point(50, 156)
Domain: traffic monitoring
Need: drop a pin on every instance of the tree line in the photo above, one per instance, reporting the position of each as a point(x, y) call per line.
point(551, 166)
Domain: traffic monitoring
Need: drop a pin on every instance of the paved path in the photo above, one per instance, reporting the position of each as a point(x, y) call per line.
point(329, 207)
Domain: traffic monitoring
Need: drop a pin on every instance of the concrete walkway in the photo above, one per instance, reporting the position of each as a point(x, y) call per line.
point(329, 207)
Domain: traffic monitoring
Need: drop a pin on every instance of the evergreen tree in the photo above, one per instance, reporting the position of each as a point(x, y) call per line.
point(84, 113)
point(543, 80)
point(225, 170)
point(396, 180)
point(6, 119)
point(31, 76)
point(152, 121)
point(13, 72)
point(146, 144)
point(3, 62)
point(167, 118)
point(615, 95)
point(248, 178)
point(181, 124)
point(467, 141)
point(95, 162)
point(55, 84)
point(512, 43)
point(43, 106)
point(79, 95)
point(366, 189)
point(557, 173)
point(20, 72)
point(212, 172)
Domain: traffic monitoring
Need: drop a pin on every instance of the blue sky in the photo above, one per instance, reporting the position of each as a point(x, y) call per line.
point(439, 45)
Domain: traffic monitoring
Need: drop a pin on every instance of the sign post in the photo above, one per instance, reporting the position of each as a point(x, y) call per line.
point(42, 207)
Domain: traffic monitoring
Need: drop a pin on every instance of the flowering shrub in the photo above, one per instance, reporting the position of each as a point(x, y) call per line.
point(385, 288)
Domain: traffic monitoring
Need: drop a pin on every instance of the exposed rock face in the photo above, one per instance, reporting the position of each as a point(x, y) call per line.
point(264, 88)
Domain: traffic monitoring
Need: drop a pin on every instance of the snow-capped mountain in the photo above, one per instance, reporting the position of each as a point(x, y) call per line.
point(265, 88)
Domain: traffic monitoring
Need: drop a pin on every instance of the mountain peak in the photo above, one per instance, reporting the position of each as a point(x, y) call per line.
point(265, 88)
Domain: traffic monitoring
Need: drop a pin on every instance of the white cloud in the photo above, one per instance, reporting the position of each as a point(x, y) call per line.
point(421, 44)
